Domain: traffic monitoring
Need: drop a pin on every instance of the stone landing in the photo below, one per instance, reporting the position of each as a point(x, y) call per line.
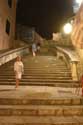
point(35, 105)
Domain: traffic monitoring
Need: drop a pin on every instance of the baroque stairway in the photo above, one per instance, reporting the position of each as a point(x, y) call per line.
point(46, 94)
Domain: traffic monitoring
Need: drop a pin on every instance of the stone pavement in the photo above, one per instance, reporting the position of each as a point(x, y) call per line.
point(38, 91)
point(40, 105)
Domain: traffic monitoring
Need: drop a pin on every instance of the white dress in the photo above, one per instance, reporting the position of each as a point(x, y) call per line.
point(19, 69)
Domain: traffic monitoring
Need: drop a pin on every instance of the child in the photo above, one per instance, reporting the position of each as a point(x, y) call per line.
point(18, 69)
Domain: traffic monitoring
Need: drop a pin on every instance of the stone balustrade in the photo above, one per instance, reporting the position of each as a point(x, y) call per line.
point(7, 56)
point(71, 60)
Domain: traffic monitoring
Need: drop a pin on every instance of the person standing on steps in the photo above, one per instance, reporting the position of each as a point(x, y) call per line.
point(38, 47)
point(34, 49)
point(18, 69)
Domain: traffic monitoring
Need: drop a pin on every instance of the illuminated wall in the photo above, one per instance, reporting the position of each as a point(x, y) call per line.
point(7, 23)
point(77, 37)
point(76, 5)
point(77, 33)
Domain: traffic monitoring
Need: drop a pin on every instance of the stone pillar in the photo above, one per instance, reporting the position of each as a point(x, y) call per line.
point(74, 70)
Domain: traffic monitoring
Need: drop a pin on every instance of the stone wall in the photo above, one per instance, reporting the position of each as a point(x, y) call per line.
point(7, 19)
point(77, 33)
point(77, 38)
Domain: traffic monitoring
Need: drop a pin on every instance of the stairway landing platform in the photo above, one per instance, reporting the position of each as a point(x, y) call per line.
point(38, 92)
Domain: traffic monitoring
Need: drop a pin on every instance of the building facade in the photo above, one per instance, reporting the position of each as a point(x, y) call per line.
point(27, 34)
point(77, 33)
point(7, 23)
point(77, 37)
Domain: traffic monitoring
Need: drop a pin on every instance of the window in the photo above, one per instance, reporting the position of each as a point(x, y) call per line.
point(7, 27)
point(10, 3)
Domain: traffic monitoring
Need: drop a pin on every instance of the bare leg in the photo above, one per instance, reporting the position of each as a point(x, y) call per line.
point(34, 54)
point(17, 83)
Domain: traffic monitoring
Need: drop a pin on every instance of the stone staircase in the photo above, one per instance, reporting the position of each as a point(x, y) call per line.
point(27, 107)
point(40, 70)
point(45, 95)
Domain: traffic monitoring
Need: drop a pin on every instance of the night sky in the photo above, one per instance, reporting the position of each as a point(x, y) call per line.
point(47, 16)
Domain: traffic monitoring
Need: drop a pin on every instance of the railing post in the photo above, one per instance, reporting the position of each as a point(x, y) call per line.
point(74, 70)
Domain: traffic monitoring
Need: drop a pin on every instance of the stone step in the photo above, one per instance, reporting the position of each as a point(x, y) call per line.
point(37, 64)
point(41, 71)
point(39, 110)
point(41, 99)
point(45, 68)
point(28, 83)
point(45, 72)
point(56, 82)
point(36, 67)
point(43, 120)
point(42, 80)
point(36, 77)
point(28, 67)
point(62, 74)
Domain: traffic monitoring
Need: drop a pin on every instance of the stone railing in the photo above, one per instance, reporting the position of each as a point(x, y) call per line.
point(71, 59)
point(10, 55)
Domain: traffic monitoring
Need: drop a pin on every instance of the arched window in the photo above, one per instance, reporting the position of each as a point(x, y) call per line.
point(10, 3)
point(7, 26)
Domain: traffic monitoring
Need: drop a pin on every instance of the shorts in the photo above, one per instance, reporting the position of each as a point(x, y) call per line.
point(18, 75)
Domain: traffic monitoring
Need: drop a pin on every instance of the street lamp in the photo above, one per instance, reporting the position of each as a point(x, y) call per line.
point(67, 28)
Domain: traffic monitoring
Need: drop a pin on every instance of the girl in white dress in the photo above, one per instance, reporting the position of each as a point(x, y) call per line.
point(18, 69)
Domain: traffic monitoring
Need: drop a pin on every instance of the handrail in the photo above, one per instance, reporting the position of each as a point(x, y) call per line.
point(10, 55)
point(70, 53)
point(12, 51)
point(73, 60)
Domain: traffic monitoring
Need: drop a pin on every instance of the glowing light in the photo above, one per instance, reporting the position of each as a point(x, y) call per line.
point(67, 28)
